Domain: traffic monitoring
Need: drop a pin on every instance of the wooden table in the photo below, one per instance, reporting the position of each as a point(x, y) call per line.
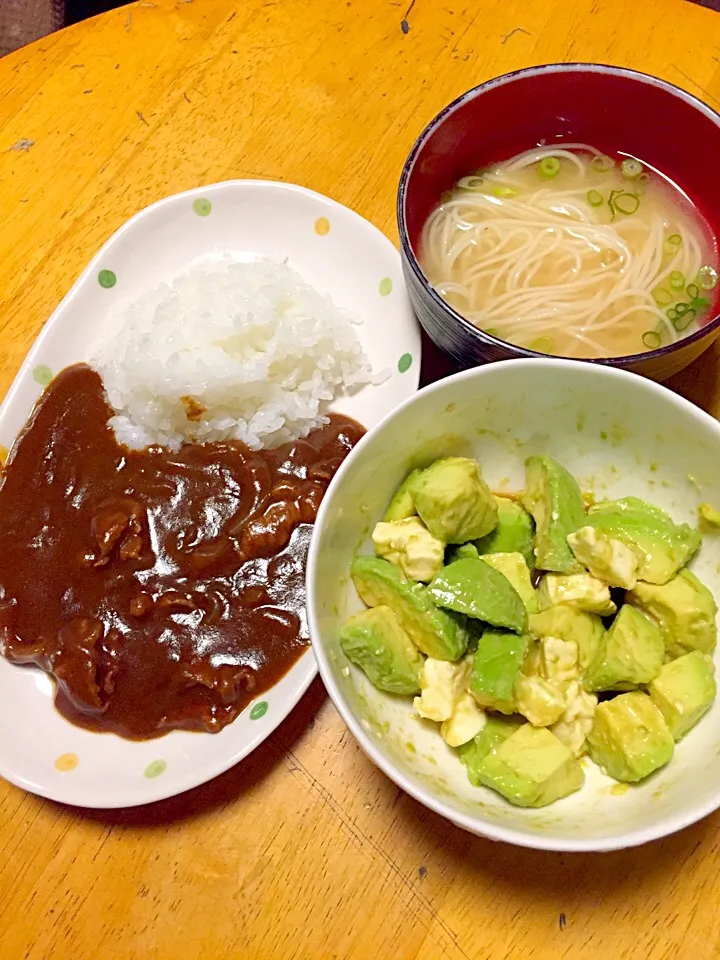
point(304, 850)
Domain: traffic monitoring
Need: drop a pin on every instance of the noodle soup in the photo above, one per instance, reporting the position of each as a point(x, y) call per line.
point(565, 250)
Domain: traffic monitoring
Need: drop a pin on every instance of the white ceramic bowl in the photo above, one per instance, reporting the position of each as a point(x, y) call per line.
point(340, 254)
point(620, 435)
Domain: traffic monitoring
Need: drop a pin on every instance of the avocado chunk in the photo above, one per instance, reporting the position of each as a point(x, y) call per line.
point(631, 654)
point(684, 610)
point(629, 738)
point(683, 691)
point(478, 590)
point(578, 590)
point(374, 641)
point(514, 532)
point(496, 665)
point(402, 504)
point(436, 633)
point(553, 497)
point(453, 500)
point(710, 515)
point(495, 732)
point(604, 558)
point(661, 546)
point(409, 544)
point(567, 623)
point(531, 768)
point(465, 551)
point(443, 684)
point(514, 567)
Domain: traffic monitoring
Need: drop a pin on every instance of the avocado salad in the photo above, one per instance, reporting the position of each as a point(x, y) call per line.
point(534, 629)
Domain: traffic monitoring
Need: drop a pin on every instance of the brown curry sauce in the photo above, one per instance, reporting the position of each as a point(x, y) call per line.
point(162, 590)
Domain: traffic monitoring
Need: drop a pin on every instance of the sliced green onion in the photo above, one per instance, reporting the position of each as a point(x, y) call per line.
point(685, 319)
point(470, 183)
point(707, 277)
point(601, 163)
point(627, 203)
point(504, 193)
point(651, 339)
point(548, 168)
point(681, 308)
point(492, 331)
point(594, 198)
point(672, 314)
point(542, 345)
point(662, 296)
point(676, 280)
point(673, 243)
point(692, 291)
point(631, 168)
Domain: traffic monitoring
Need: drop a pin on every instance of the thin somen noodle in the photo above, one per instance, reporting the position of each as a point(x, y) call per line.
point(564, 250)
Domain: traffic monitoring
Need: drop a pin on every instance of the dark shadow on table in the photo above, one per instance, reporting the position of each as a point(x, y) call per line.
point(228, 787)
point(699, 382)
point(435, 364)
point(76, 10)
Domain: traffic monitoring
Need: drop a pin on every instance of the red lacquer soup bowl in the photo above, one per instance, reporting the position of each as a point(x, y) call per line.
point(612, 108)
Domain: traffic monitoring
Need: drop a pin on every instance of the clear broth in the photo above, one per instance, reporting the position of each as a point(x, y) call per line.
point(583, 263)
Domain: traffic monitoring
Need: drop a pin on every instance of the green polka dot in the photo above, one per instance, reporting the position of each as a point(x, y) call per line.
point(155, 768)
point(107, 279)
point(42, 375)
point(259, 710)
point(385, 286)
point(404, 363)
point(202, 207)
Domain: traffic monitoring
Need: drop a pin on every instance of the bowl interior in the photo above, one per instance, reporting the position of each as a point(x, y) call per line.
point(621, 435)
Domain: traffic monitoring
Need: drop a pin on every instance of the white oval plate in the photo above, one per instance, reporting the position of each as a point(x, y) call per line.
point(339, 253)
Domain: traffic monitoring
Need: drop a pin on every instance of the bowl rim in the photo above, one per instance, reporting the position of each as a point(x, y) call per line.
point(673, 823)
point(579, 66)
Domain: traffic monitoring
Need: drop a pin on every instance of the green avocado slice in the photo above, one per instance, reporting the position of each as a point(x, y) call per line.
point(435, 632)
point(478, 590)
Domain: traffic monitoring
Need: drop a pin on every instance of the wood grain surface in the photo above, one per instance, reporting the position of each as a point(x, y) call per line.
point(304, 850)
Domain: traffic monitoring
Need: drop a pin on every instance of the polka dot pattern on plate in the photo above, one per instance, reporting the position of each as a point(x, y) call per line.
point(67, 762)
point(155, 768)
point(385, 287)
point(259, 710)
point(3, 455)
point(107, 279)
point(322, 226)
point(42, 375)
point(202, 207)
point(404, 363)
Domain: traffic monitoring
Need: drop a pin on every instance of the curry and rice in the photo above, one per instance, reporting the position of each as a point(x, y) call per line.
point(156, 510)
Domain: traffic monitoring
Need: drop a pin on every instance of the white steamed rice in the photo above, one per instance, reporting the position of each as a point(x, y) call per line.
point(252, 343)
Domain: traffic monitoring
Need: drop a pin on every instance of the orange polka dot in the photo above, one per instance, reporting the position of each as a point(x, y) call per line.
point(67, 762)
point(322, 226)
point(3, 454)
